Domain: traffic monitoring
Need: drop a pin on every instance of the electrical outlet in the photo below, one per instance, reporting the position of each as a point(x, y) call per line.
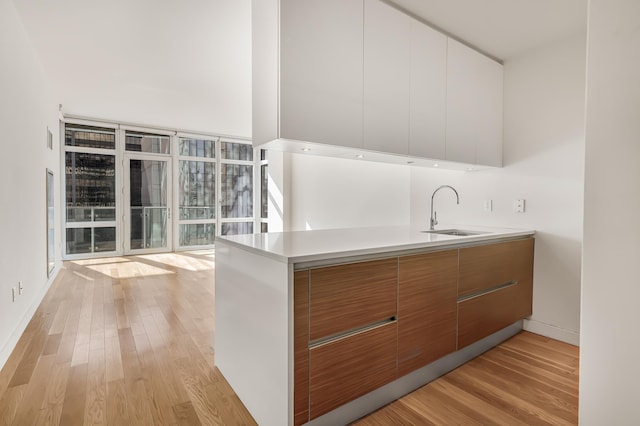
point(20, 288)
point(13, 294)
point(518, 206)
point(488, 205)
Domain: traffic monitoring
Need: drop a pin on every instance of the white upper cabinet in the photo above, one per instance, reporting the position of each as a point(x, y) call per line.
point(428, 94)
point(342, 76)
point(474, 107)
point(321, 45)
point(387, 53)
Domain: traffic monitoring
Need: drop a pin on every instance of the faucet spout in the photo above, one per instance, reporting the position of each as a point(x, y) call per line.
point(433, 221)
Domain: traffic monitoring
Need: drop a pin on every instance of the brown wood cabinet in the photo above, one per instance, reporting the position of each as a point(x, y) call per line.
point(361, 325)
point(346, 368)
point(487, 266)
point(427, 297)
point(495, 288)
point(483, 315)
point(346, 297)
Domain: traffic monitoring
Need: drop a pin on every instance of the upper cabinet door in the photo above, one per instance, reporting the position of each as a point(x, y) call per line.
point(474, 107)
point(321, 49)
point(387, 51)
point(428, 92)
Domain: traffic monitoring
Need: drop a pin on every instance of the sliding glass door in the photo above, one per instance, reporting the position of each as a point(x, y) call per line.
point(147, 197)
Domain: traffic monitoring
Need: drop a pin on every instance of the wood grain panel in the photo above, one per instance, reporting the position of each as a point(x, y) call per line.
point(348, 296)
point(427, 308)
point(345, 369)
point(480, 316)
point(483, 267)
point(301, 347)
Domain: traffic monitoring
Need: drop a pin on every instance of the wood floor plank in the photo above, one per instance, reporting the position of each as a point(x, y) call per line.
point(52, 403)
point(474, 405)
point(186, 414)
point(74, 404)
point(138, 401)
point(117, 412)
point(539, 394)
point(9, 404)
point(52, 344)
point(28, 363)
point(29, 408)
point(544, 374)
point(96, 406)
point(14, 360)
point(127, 344)
point(196, 386)
point(396, 413)
point(438, 408)
point(60, 318)
point(113, 359)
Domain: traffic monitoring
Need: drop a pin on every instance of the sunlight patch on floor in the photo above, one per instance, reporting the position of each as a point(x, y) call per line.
point(131, 270)
point(183, 261)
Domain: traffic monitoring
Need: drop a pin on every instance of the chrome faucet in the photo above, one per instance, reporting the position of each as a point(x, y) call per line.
point(433, 221)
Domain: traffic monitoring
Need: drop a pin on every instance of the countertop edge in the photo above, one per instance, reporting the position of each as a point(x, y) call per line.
point(265, 253)
point(372, 251)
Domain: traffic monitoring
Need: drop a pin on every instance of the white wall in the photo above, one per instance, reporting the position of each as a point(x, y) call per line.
point(610, 350)
point(343, 193)
point(543, 163)
point(26, 109)
point(182, 65)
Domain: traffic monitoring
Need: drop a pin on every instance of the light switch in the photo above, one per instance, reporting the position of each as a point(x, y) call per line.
point(518, 206)
point(488, 205)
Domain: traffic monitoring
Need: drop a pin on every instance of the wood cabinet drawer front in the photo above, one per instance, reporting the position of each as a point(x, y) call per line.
point(484, 267)
point(345, 369)
point(427, 303)
point(481, 316)
point(301, 347)
point(349, 296)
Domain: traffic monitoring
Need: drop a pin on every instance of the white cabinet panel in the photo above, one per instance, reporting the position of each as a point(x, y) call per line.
point(428, 93)
point(387, 35)
point(490, 116)
point(474, 107)
point(321, 44)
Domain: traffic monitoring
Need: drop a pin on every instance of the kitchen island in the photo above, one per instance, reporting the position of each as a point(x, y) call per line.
point(326, 326)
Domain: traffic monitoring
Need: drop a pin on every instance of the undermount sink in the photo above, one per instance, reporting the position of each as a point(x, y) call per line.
point(456, 232)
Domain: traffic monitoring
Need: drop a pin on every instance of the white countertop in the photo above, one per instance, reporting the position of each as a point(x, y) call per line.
point(311, 246)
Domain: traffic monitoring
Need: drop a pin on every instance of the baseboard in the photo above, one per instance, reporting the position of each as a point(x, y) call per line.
point(12, 341)
point(553, 332)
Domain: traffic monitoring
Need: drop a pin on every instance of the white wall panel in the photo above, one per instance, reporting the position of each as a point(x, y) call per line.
point(27, 108)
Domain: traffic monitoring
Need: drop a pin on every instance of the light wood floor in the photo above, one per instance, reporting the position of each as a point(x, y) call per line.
point(129, 340)
point(122, 341)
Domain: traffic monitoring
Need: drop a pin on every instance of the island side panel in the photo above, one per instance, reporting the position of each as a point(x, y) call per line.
point(253, 331)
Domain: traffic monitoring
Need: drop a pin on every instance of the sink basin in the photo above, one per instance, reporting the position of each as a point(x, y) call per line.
point(456, 232)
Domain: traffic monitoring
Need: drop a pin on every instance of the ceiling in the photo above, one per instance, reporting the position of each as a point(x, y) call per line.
point(502, 28)
point(187, 64)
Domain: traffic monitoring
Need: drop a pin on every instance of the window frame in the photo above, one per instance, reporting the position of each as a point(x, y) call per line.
point(252, 163)
point(115, 152)
point(119, 152)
